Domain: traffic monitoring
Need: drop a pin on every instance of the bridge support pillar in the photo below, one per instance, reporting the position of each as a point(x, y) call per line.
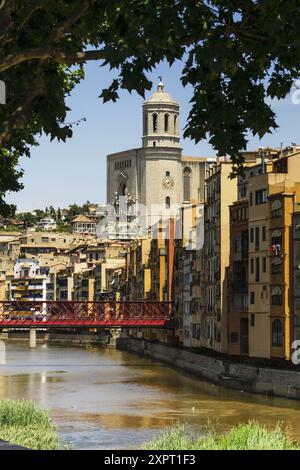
point(32, 338)
point(115, 334)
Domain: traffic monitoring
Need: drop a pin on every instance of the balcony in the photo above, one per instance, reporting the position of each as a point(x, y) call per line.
point(240, 303)
point(239, 287)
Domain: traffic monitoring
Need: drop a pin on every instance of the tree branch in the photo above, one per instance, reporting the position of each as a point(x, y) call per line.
point(30, 10)
point(52, 54)
point(58, 33)
point(5, 19)
point(18, 119)
point(80, 9)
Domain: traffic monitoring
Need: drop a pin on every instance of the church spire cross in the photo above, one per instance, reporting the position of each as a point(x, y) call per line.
point(160, 86)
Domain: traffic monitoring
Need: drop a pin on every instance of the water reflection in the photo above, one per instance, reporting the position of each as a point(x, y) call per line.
point(109, 399)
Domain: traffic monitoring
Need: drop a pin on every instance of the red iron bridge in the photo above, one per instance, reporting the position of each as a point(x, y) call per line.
point(84, 314)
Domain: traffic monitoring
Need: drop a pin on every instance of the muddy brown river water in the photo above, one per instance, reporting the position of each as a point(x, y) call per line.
point(107, 399)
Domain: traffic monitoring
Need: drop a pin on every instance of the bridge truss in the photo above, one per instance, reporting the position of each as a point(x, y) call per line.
point(84, 314)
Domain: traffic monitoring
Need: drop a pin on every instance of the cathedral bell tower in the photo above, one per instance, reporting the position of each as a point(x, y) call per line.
point(160, 120)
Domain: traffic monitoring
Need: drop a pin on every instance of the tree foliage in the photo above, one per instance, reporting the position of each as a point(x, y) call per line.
point(236, 54)
point(28, 219)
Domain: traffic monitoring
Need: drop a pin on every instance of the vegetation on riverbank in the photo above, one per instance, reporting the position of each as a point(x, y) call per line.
point(251, 436)
point(25, 424)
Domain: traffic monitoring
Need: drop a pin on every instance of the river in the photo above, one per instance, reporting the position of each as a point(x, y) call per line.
point(107, 399)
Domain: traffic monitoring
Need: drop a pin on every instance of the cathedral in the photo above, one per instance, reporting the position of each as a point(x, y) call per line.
point(157, 173)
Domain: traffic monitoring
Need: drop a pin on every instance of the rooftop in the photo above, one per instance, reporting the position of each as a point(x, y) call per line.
point(82, 218)
point(160, 96)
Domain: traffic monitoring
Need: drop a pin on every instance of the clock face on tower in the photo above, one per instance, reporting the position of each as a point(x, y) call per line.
point(168, 182)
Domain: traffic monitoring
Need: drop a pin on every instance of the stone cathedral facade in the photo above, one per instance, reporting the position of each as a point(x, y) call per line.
point(156, 173)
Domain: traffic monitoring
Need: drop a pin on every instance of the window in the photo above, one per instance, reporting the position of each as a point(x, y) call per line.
point(187, 184)
point(256, 238)
point(235, 245)
point(166, 122)
point(252, 235)
point(252, 319)
point(252, 265)
point(63, 295)
point(168, 202)
point(252, 298)
point(243, 191)
point(264, 264)
point(277, 266)
point(63, 283)
point(277, 333)
point(257, 274)
point(276, 209)
point(145, 124)
point(234, 337)
point(167, 173)
point(121, 165)
point(260, 196)
point(276, 238)
point(154, 123)
point(250, 199)
point(263, 233)
point(276, 296)
point(175, 123)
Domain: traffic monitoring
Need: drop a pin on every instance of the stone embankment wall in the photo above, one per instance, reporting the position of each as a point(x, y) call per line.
point(61, 338)
point(239, 376)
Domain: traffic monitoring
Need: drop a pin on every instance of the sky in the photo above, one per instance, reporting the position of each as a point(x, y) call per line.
point(60, 174)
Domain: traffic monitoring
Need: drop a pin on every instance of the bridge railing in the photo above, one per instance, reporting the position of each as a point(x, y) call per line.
point(22, 313)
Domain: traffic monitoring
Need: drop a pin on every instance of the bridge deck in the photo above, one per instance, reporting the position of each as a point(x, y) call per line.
point(81, 314)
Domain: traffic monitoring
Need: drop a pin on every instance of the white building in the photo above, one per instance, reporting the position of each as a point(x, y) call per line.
point(83, 225)
point(156, 174)
point(29, 281)
point(47, 224)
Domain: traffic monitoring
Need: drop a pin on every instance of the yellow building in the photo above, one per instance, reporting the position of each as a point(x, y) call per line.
point(64, 284)
point(84, 286)
point(221, 191)
point(272, 196)
point(47, 244)
point(3, 288)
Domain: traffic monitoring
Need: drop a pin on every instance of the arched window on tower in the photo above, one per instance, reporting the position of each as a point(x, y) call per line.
point(166, 119)
point(167, 173)
point(187, 173)
point(154, 122)
point(175, 123)
point(168, 202)
point(145, 124)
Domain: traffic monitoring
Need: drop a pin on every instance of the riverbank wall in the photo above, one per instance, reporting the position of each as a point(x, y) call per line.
point(61, 338)
point(223, 372)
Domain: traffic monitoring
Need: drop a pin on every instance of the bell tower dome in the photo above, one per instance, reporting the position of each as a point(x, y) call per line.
point(161, 120)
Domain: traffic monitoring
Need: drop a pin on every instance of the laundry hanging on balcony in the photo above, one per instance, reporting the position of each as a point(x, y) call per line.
point(275, 249)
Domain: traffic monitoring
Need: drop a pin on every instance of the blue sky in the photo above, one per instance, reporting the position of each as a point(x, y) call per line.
point(59, 174)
